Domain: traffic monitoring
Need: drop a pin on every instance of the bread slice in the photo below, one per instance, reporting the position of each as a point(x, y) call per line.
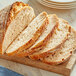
point(64, 52)
point(59, 36)
point(43, 39)
point(28, 37)
point(19, 17)
point(3, 18)
point(41, 42)
point(14, 10)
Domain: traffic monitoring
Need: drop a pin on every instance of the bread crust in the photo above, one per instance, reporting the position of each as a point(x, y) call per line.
point(65, 59)
point(42, 55)
point(14, 10)
point(34, 38)
point(41, 44)
point(46, 39)
point(57, 63)
point(3, 15)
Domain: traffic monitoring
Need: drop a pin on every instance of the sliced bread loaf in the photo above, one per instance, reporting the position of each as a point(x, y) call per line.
point(3, 18)
point(64, 52)
point(19, 17)
point(28, 37)
point(43, 39)
point(59, 36)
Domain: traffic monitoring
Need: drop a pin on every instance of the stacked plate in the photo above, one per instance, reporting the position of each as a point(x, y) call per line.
point(59, 4)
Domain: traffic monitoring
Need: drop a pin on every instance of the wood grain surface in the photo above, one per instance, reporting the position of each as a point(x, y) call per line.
point(66, 67)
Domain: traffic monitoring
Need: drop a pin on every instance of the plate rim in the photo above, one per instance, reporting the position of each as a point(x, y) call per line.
point(62, 2)
point(56, 7)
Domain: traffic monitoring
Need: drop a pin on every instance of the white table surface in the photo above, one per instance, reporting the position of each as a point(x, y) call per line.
point(69, 15)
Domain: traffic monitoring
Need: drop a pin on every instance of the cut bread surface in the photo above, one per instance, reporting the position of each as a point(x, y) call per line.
point(43, 39)
point(19, 21)
point(4, 16)
point(59, 36)
point(3, 19)
point(64, 52)
point(29, 35)
point(14, 10)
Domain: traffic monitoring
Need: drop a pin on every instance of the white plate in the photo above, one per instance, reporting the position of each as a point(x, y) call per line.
point(62, 5)
point(56, 6)
point(58, 3)
point(62, 0)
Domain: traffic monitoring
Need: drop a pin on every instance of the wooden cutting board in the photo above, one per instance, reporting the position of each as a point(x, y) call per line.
point(64, 69)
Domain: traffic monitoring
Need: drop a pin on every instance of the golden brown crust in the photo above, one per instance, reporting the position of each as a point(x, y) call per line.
point(56, 63)
point(63, 60)
point(42, 55)
point(14, 10)
point(33, 39)
point(41, 44)
point(3, 15)
point(45, 40)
